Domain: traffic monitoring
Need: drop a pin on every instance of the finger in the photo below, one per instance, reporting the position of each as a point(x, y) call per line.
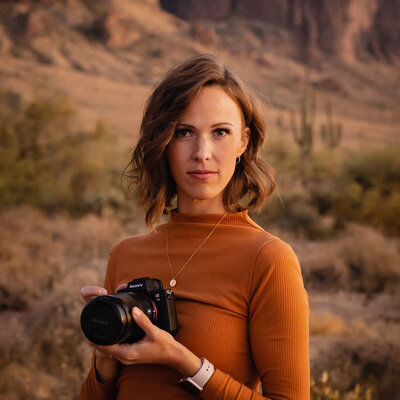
point(143, 321)
point(90, 292)
point(93, 291)
point(122, 286)
point(121, 352)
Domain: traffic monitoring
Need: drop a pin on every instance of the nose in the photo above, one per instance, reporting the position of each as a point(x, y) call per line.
point(202, 149)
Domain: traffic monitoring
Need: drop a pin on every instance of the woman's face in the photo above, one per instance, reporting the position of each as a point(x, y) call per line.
point(208, 138)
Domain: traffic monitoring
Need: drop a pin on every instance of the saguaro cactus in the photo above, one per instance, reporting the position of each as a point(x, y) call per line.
point(331, 133)
point(303, 132)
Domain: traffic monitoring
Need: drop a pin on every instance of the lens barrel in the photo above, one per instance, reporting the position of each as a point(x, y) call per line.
point(107, 320)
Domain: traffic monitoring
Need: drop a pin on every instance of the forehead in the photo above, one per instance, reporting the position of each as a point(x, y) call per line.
point(212, 104)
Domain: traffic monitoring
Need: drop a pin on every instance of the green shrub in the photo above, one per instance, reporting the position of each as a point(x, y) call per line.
point(281, 154)
point(362, 187)
point(302, 199)
point(291, 209)
point(368, 189)
point(48, 162)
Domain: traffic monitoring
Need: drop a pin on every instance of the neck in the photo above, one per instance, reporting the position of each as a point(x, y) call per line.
point(201, 207)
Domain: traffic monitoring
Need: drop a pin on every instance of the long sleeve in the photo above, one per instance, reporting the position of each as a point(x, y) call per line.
point(241, 304)
point(92, 388)
point(278, 330)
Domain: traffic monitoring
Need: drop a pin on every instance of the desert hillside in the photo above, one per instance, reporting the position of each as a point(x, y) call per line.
point(106, 56)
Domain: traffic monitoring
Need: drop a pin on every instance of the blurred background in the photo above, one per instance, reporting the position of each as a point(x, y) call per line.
point(74, 77)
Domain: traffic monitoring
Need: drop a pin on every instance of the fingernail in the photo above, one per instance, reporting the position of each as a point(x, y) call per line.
point(136, 311)
point(102, 292)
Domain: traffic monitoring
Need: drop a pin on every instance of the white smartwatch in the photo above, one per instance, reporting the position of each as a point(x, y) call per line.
point(195, 383)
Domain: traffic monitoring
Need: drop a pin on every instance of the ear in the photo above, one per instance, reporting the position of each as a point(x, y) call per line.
point(244, 141)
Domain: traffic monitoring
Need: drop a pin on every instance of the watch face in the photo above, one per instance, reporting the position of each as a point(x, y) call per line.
point(189, 386)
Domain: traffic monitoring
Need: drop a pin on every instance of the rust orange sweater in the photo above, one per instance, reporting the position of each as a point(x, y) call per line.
point(241, 304)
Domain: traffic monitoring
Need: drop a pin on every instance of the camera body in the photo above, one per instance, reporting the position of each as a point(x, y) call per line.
point(107, 320)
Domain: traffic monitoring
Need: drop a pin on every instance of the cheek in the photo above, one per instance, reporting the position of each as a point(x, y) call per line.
point(229, 163)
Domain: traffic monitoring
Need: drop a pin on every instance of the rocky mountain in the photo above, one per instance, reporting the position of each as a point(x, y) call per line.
point(346, 28)
point(108, 54)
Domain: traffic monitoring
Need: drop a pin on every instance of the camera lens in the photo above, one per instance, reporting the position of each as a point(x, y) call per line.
point(107, 320)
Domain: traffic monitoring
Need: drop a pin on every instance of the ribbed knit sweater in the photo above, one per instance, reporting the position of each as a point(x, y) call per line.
point(241, 304)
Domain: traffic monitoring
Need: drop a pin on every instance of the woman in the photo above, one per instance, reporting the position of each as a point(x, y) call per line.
point(241, 304)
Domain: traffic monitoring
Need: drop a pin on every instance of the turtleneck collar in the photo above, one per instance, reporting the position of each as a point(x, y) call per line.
point(230, 218)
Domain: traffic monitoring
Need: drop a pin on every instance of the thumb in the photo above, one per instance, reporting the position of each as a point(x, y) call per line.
point(142, 320)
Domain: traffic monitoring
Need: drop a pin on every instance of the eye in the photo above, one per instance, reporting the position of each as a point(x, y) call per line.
point(182, 133)
point(221, 132)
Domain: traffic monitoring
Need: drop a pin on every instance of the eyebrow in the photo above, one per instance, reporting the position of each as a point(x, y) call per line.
point(212, 126)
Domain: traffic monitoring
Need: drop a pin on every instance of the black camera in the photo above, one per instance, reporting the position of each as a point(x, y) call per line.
point(107, 320)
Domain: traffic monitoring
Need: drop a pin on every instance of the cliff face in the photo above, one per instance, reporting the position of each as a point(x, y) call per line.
point(345, 28)
point(194, 9)
point(106, 55)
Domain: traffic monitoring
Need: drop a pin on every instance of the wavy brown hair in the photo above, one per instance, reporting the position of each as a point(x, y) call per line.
point(148, 172)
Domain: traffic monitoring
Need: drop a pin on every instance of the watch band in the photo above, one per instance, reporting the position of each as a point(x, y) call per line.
point(197, 382)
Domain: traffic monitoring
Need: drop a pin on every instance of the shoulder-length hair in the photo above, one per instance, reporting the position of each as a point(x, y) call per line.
point(148, 172)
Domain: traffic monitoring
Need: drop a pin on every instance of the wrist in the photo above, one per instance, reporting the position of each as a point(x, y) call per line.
point(196, 383)
point(184, 361)
point(106, 367)
point(102, 357)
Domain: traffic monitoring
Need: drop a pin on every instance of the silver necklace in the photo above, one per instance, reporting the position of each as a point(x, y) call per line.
point(172, 282)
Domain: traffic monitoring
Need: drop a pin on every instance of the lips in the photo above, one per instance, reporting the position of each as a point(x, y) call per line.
point(202, 174)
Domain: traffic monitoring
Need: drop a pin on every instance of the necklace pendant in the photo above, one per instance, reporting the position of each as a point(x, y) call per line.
point(172, 282)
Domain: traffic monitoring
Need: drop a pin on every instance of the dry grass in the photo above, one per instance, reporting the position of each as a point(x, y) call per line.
point(41, 254)
point(370, 356)
point(355, 338)
point(327, 323)
point(44, 262)
point(36, 386)
point(362, 259)
point(320, 390)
